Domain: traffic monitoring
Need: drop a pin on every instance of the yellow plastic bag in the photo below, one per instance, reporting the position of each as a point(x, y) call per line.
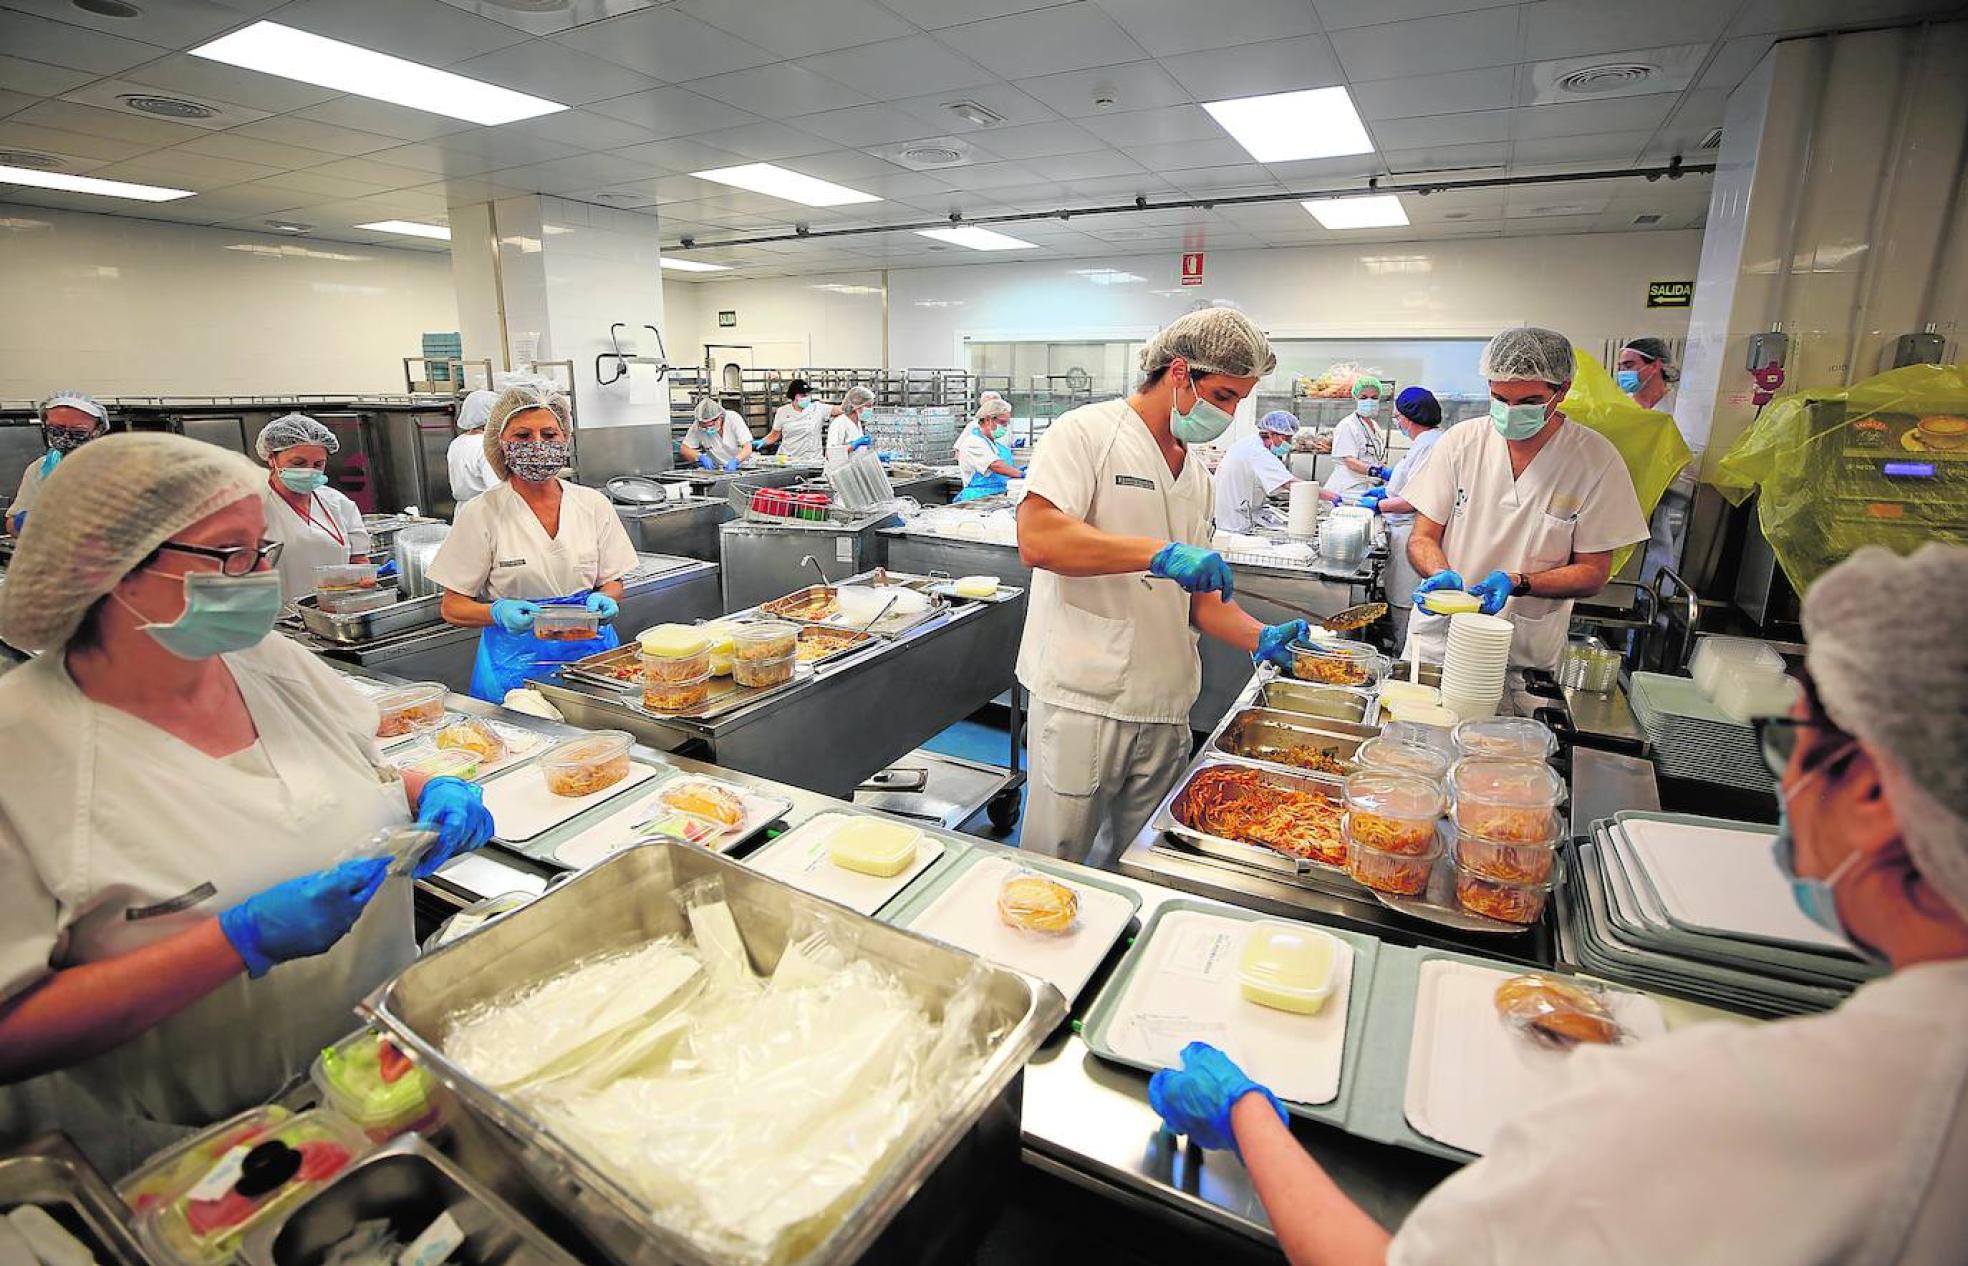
point(1881, 462)
point(1647, 440)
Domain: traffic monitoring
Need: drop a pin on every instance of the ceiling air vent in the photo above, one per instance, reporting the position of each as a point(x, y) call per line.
point(532, 6)
point(1455, 215)
point(1609, 77)
point(1712, 141)
point(1647, 219)
point(619, 199)
point(288, 226)
point(167, 107)
point(974, 114)
point(29, 159)
point(109, 8)
point(932, 155)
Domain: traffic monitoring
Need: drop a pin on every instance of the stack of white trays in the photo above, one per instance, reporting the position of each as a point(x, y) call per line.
point(1693, 738)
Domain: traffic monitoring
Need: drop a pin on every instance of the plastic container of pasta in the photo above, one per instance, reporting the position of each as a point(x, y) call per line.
point(1400, 874)
point(1393, 812)
point(1498, 899)
point(1419, 759)
point(342, 578)
point(1510, 861)
point(591, 763)
point(675, 696)
point(1338, 663)
point(1509, 800)
point(1507, 738)
point(566, 624)
point(675, 652)
point(410, 709)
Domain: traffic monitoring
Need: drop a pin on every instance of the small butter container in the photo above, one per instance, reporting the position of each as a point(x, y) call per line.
point(1287, 966)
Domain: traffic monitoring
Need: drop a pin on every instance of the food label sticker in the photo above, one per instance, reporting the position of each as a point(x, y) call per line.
point(1201, 952)
point(219, 1178)
point(438, 1241)
point(1163, 1036)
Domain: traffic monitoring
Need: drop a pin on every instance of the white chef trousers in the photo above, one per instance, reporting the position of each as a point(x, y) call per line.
point(1096, 781)
point(1401, 580)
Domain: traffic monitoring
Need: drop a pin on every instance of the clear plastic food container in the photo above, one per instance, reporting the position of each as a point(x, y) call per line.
point(591, 763)
point(372, 1083)
point(410, 709)
point(333, 578)
point(450, 762)
point(1749, 693)
point(1505, 799)
point(871, 847)
point(1394, 812)
point(1403, 757)
point(1509, 861)
point(1496, 899)
point(675, 696)
point(1400, 874)
point(1432, 715)
point(1717, 657)
point(1287, 967)
point(674, 652)
point(1510, 738)
point(566, 624)
point(710, 800)
point(354, 601)
point(1338, 663)
point(1394, 692)
point(469, 734)
point(768, 640)
point(722, 642)
point(763, 672)
point(167, 1175)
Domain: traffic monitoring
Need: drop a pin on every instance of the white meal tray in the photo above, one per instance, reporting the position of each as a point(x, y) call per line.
point(521, 745)
point(617, 831)
point(523, 809)
point(1469, 1073)
point(1721, 882)
point(799, 857)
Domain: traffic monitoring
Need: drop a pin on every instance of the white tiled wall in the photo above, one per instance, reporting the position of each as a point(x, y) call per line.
point(118, 306)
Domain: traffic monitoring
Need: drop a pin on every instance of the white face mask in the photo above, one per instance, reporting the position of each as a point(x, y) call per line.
point(1366, 408)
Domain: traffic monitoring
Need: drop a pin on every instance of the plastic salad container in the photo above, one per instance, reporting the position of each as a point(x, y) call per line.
point(561, 623)
point(1337, 663)
point(1507, 800)
point(871, 847)
point(333, 578)
point(354, 601)
point(1717, 657)
point(1496, 899)
point(591, 763)
point(1510, 861)
point(1392, 812)
point(372, 1083)
point(1400, 874)
point(1399, 757)
point(449, 762)
point(255, 1179)
point(1510, 738)
point(1287, 967)
point(469, 734)
point(410, 709)
point(167, 1174)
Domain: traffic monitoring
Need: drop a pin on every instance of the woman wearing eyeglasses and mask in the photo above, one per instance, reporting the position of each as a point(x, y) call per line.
point(179, 936)
point(315, 524)
point(69, 420)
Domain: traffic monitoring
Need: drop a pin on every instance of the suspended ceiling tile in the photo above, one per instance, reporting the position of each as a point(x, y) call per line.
point(680, 156)
point(165, 23)
point(1493, 88)
point(1319, 171)
point(60, 44)
point(581, 130)
point(780, 92)
point(1229, 180)
point(118, 125)
point(553, 71)
point(1037, 140)
point(1104, 90)
point(672, 112)
point(1169, 27)
point(1088, 166)
point(1340, 14)
point(312, 134)
point(1433, 158)
point(935, 14)
point(1544, 226)
point(1575, 28)
point(1149, 127)
point(894, 69)
point(1072, 36)
point(798, 28)
point(1430, 130)
point(1620, 114)
point(1732, 60)
point(989, 176)
point(670, 45)
point(426, 31)
point(1611, 147)
point(368, 171)
point(550, 21)
point(1007, 102)
point(142, 102)
point(1172, 158)
point(365, 115)
point(766, 142)
point(143, 171)
point(846, 166)
point(14, 134)
point(578, 171)
point(38, 79)
point(434, 160)
point(197, 77)
point(1430, 46)
point(180, 162)
point(866, 125)
point(238, 201)
point(460, 190)
point(14, 102)
point(1121, 188)
point(1251, 70)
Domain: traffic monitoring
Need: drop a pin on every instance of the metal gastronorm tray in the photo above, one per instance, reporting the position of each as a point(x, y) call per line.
point(370, 626)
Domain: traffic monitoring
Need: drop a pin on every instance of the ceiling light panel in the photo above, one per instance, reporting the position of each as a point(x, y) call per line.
point(409, 228)
point(1381, 211)
point(1284, 127)
point(779, 182)
point(273, 49)
point(89, 184)
point(693, 266)
point(978, 239)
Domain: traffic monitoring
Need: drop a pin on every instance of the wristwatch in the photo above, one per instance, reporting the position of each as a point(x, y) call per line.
point(1520, 584)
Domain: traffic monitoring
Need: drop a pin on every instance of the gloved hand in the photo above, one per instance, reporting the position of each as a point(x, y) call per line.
point(602, 605)
point(514, 615)
point(1372, 498)
point(707, 461)
point(1196, 569)
point(884, 458)
point(1494, 590)
point(858, 445)
point(1196, 1099)
point(304, 916)
point(1443, 579)
point(387, 569)
point(1274, 643)
point(732, 467)
point(456, 810)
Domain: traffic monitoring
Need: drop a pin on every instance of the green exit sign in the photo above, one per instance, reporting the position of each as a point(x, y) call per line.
point(727, 319)
point(1670, 294)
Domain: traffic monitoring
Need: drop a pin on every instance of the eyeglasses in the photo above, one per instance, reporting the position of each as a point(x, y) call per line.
point(1778, 738)
point(234, 560)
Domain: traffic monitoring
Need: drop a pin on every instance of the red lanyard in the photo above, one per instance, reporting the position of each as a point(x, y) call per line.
point(329, 526)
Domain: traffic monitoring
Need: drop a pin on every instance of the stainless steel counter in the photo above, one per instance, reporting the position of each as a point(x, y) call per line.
point(687, 529)
point(761, 561)
point(921, 553)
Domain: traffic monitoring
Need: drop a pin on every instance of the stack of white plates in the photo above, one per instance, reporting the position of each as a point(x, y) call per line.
point(1477, 660)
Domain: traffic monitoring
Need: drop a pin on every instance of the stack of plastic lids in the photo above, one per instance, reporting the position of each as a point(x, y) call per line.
point(1693, 738)
point(1700, 908)
point(1743, 676)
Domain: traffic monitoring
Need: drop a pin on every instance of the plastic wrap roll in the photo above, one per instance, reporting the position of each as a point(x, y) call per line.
point(1302, 514)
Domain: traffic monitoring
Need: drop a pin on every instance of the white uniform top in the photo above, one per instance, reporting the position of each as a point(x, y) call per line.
point(1116, 646)
point(722, 437)
point(1666, 403)
point(332, 532)
point(1574, 498)
point(1358, 438)
point(114, 834)
point(471, 473)
point(1405, 470)
point(801, 432)
point(497, 548)
point(1248, 473)
point(1836, 1138)
point(842, 432)
point(30, 488)
point(975, 454)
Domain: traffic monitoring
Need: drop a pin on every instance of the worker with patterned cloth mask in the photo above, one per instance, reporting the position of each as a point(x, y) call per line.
point(1116, 525)
point(69, 420)
point(1840, 1137)
point(1533, 503)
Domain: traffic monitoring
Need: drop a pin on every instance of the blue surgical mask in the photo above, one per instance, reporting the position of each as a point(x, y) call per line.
point(1628, 380)
point(301, 480)
point(1366, 408)
point(1814, 896)
point(1517, 421)
point(222, 614)
point(1280, 449)
point(1200, 423)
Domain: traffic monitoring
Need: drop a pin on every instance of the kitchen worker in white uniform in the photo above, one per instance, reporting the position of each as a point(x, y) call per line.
point(983, 458)
point(471, 474)
point(719, 440)
point(799, 426)
point(1829, 1138)
point(534, 539)
point(1359, 449)
point(179, 933)
point(845, 434)
point(1252, 470)
point(69, 420)
point(1533, 503)
point(1116, 524)
point(1419, 415)
point(316, 524)
point(1646, 372)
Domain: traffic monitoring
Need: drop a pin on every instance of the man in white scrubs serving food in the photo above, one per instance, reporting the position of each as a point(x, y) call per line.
point(1531, 502)
point(534, 540)
point(179, 932)
point(317, 525)
point(1116, 525)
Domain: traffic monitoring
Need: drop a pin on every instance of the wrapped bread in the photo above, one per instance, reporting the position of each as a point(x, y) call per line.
point(706, 800)
point(1036, 903)
point(1564, 1012)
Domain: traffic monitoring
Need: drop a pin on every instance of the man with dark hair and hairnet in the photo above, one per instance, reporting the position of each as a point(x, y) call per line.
point(1644, 371)
point(1830, 1138)
point(1116, 526)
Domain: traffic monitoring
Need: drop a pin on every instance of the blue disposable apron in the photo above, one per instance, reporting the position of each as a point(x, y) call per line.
point(988, 483)
point(507, 659)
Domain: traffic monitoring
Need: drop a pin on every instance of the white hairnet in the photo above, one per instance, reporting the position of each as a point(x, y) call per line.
point(1901, 688)
point(476, 410)
point(1279, 422)
point(82, 539)
point(985, 397)
point(709, 410)
point(289, 429)
point(74, 400)
point(1212, 341)
point(993, 409)
point(1528, 352)
point(516, 400)
point(857, 398)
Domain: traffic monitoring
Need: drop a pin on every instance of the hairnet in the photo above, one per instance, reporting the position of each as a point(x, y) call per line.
point(1363, 383)
point(1901, 688)
point(75, 400)
point(476, 410)
point(1528, 352)
point(1212, 341)
point(1655, 350)
point(986, 396)
point(81, 540)
point(857, 398)
point(515, 400)
point(289, 429)
point(709, 410)
point(1419, 406)
point(993, 409)
point(1279, 422)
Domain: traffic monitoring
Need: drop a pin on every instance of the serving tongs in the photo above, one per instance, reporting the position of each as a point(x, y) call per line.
point(1352, 619)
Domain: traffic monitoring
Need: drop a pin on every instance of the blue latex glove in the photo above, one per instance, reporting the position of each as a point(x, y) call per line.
point(707, 461)
point(456, 810)
point(732, 467)
point(1444, 579)
point(885, 458)
point(858, 445)
point(1196, 1099)
point(1196, 569)
point(514, 615)
point(387, 569)
point(602, 605)
point(303, 916)
point(1274, 643)
point(1494, 590)
point(1372, 498)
